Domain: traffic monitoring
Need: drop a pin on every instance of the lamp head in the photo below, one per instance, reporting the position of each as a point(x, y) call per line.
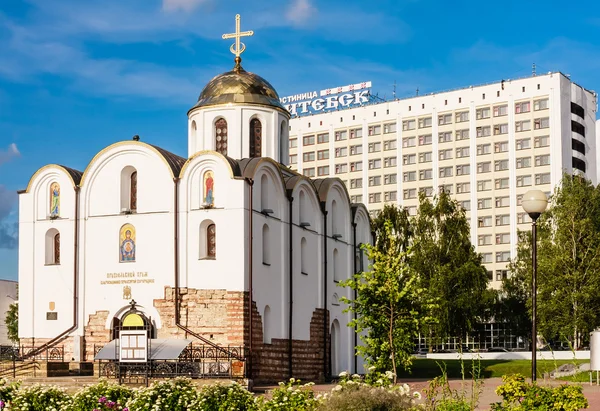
point(534, 203)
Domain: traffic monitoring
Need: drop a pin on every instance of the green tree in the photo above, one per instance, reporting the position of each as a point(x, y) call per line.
point(400, 224)
point(12, 322)
point(450, 269)
point(568, 263)
point(390, 304)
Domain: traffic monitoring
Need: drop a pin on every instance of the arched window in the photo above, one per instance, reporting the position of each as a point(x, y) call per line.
point(302, 207)
point(133, 192)
point(52, 247)
point(128, 189)
point(334, 217)
point(208, 240)
point(335, 348)
point(264, 192)
point(193, 130)
point(255, 138)
point(267, 327)
point(221, 136)
point(265, 245)
point(303, 257)
point(335, 300)
point(336, 265)
point(283, 144)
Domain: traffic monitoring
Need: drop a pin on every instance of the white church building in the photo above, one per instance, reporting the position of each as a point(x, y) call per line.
point(242, 252)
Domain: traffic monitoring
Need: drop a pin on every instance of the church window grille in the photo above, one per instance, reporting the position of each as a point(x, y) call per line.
point(255, 138)
point(52, 255)
point(211, 241)
point(221, 136)
point(133, 192)
point(56, 250)
point(266, 245)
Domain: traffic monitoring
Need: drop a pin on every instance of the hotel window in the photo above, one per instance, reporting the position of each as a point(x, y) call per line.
point(390, 196)
point(484, 239)
point(409, 142)
point(524, 125)
point(462, 134)
point(427, 191)
point(375, 198)
point(502, 256)
point(374, 130)
point(323, 138)
point(425, 174)
point(466, 205)
point(483, 149)
point(409, 159)
point(462, 188)
point(374, 181)
point(523, 218)
point(308, 156)
point(462, 116)
point(462, 152)
point(356, 183)
point(523, 181)
point(501, 275)
point(445, 137)
point(542, 141)
point(523, 144)
point(444, 119)
point(323, 171)
point(463, 170)
point(374, 147)
point(341, 135)
point(501, 183)
point(500, 165)
point(500, 129)
point(540, 123)
point(356, 133)
point(519, 200)
point(323, 155)
point(293, 158)
point(425, 122)
point(445, 172)
point(445, 154)
point(542, 160)
point(356, 199)
point(487, 258)
point(542, 178)
point(389, 145)
point(503, 238)
point(412, 211)
point(524, 107)
point(425, 157)
point(390, 162)
point(483, 131)
point(409, 176)
point(501, 147)
point(408, 125)
point(355, 150)
point(341, 168)
point(389, 179)
point(484, 221)
point(341, 151)
point(425, 140)
point(484, 167)
point(484, 185)
point(447, 188)
point(356, 166)
point(502, 201)
point(309, 172)
point(503, 219)
point(410, 193)
point(308, 140)
point(482, 113)
point(389, 128)
point(484, 203)
point(523, 162)
point(501, 110)
point(540, 104)
point(374, 164)
point(293, 142)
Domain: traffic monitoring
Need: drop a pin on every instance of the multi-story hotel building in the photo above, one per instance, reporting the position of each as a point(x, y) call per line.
point(486, 145)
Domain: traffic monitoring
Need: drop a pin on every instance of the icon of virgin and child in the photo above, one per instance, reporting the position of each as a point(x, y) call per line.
point(127, 244)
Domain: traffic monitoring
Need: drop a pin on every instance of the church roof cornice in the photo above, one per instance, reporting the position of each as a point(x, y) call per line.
point(234, 166)
point(74, 175)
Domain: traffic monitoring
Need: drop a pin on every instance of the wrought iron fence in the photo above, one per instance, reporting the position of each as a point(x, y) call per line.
point(47, 354)
point(25, 361)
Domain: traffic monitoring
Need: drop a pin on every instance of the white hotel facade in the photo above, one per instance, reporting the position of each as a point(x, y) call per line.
point(486, 145)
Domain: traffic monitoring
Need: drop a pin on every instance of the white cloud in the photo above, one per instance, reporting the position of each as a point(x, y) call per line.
point(9, 154)
point(300, 11)
point(184, 5)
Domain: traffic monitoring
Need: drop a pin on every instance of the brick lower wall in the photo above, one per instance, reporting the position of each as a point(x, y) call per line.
point(66, 343)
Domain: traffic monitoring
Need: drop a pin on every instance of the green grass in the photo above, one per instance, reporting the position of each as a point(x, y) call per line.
point(429, 368)
point(580, 377)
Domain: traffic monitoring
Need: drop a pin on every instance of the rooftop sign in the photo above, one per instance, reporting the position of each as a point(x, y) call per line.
point(327, 100)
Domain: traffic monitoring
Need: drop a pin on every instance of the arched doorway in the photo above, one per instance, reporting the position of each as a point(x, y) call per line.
point(132, 319)
point(335, 348)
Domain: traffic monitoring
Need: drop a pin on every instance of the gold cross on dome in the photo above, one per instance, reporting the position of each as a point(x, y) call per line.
point(239, 47)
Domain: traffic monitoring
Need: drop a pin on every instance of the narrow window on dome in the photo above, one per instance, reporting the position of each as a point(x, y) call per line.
point(133, 193)
point(255, 138)
point(221, 136)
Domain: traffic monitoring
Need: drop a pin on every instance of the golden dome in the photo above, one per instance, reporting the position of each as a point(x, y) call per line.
point(239, 87)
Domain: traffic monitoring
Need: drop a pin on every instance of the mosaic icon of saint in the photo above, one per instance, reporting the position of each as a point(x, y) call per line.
point(209, 187)
point(55, 199)
point(127, 246)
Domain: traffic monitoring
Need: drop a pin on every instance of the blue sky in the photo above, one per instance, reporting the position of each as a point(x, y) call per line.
point(76, 76)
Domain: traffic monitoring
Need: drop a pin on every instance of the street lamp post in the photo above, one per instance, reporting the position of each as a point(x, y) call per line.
point(534, 203)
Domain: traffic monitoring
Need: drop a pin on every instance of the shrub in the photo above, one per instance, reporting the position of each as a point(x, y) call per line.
point(452, 404)
point(292, 396)
point(7, 391)
point(40, 398)
point(178, 394)
point(519, 395)
point(103, 396)
point(221, 397)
